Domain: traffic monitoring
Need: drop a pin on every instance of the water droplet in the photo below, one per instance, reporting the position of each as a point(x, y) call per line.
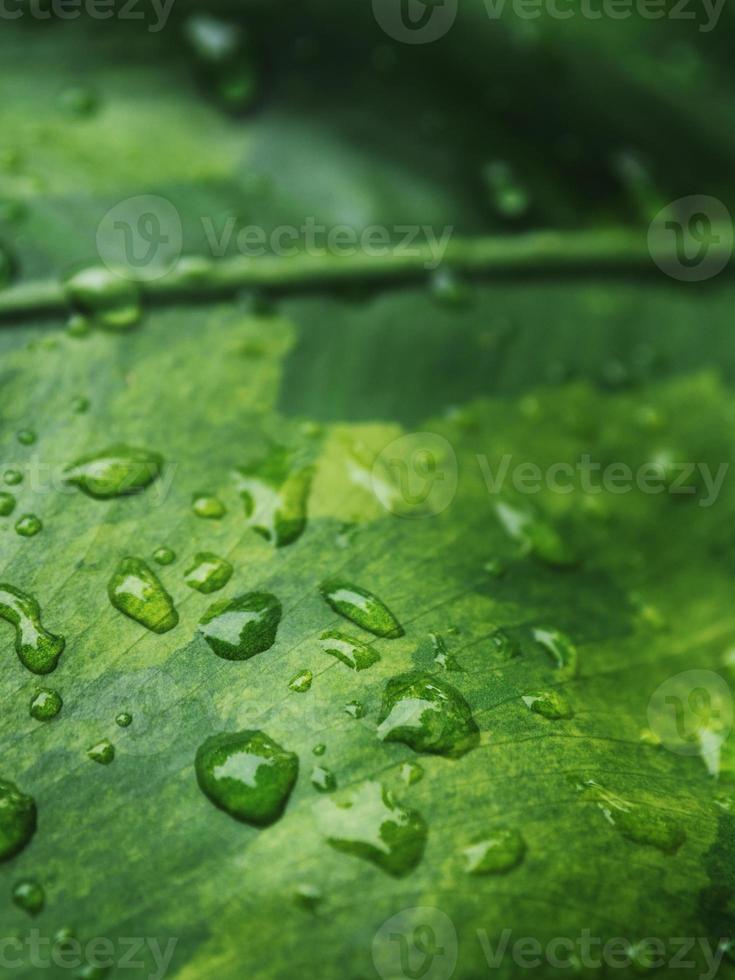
point(323, 779)
point(506, 644)
point(361, 607)
point(29, 896)
point(561, 649)
point(428, 715)
point(638, 823)
point(370, 823)
point(276, 496)
point(508, 198)
point(355, 709)
point(247, 775)
point(114, 472)
point(102, 752)
point(28, 525)
point(354, 653)
point(124, 719)
point(495, 567)
point(164, 555)
point(549, 704)
point(411, 772)
point(17, 819)
point(442, 657)
point(13, 477)
point(208, 573)
point(301, 682)
point(26, 437)
point(208, 507)
point(37, 649)
point(237, 629)
point(79, 101)
point(225, 61)
point(498, 853)
point(536, 536)
point(308, 896)
point(7, 504)
point(113, 301)
point(319, 749)
point(80, 404)
point(78, 325)
point(447, 289)
point(135, 591)
point(45, 704)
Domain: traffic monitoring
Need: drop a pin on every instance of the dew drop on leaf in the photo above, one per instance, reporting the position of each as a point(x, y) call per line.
point(37, 649)
point(7, 503)
point(535, 535)
point(29, 896)
point(370, 823)
point(411, 772)
point(135, 591)
point(112, 300)
point(208, 573)
point(13, 477)
point(549, 704)
point(506, 644)
point(26, 437)
point(276, 495)
point(508, 197)
point(637, 822)
point(442, 657)
point(28, 526)
point(355, 709)
point(208, 507)
point(323, 779)
point(80, 404)
point(308, 896)
point(17, 819)
point(124, 719)
point(319, 749)
point(361, 607)
point(114, 472)
point(45, 704)
point(448, 289)
point(498, 853)
point(164, 555)
point(301, 682)
point(428, 715)
point(102, 752)
point(247, 775)
point(352, 652)
point(560, 648)
point(237, 629)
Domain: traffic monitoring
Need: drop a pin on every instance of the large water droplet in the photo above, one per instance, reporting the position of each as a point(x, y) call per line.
point(17, 819)
point(37, 649)
point(208, 573)
point(29, 896)
point(361, 607)
point(135, 591)
point(276, 496)
point(560, 648)
point(427, 714)
point(247, 775)
point(7, 504)
point(102, 752)
point(45, 704)
point(498, 853)
point(549, 704)
point(237, 629)
point(114, 472)
point(354, 653)
point(637, 822)
point(112, 300)
point(370, 823)
point(28, 525)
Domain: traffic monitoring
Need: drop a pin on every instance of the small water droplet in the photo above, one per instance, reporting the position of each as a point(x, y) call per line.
point(225, 61)
point(13, 477)
point(498, 853)
point(549, 704)
point(29, 896)
point(428, 715)
point(26, 437)
point(507, 196)
point(355, 709)
point(208, 507)
point(135, 591)
point(37, 649)
point(442, 657)
point(308, 896)
point(323, 779)
point(495, 567)
point(561, 649)
point(506, 644)
point(114, 472)
point(276, 494)
point(301, 682)
point(28, 525)
point(164, 555)
point(247, 775)
point(78, 325)
point(354, 653)
point(319, 749)
point(411, 772)
point(361, 607)
point(536, 536)
point(45, 704)
point(112, 300)
point(80, 404)
point(124, 719)
point(17, 819)
point(237, 629)
point(208, 573)
point(7, 504)
point(102, 752)
point(638, 823)
point(370, 823)
point(79, 101)
point(448, 289)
